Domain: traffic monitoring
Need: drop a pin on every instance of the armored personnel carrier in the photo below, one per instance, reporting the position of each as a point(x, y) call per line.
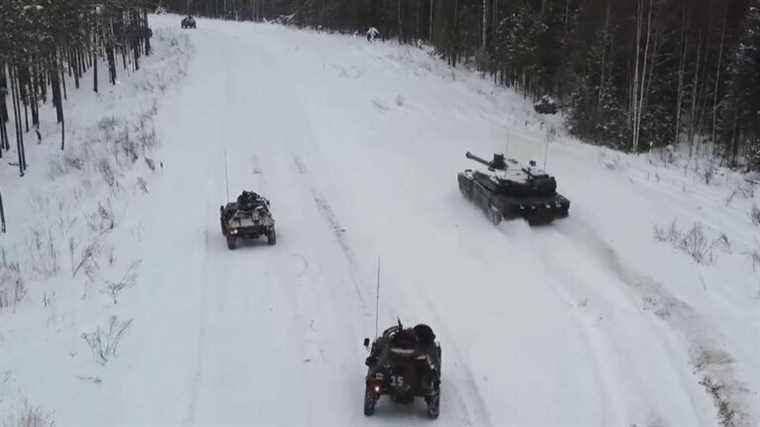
point(247, 218)
point(546, 105)
point(188, 22)
point(404, 363)
point(508, 190)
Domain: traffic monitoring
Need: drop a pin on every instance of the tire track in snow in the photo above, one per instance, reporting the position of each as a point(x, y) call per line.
point(325, 210)
point(197, 377)
point(712, 363)
point(572, 291)
point(469, 400)
point(479, 415)
point(259, 174)
point(590, 311)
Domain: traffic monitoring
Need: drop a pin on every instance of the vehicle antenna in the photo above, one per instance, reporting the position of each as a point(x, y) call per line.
point(226, 175)
point(546, 152)
point(377, 301)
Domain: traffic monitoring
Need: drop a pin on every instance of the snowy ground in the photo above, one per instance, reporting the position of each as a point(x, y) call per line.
point(590, 321)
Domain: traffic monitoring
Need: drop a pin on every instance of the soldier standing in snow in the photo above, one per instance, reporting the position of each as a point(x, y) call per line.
point(372, 33)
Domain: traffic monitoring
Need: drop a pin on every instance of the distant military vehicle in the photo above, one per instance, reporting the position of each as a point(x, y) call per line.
point(508, 190)
point(188, 22)
point(404, 364)
point(546, 105)
point(247, 218)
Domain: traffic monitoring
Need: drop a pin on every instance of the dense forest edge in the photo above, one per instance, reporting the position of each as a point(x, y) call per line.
point(632, 75)
point(44, 42)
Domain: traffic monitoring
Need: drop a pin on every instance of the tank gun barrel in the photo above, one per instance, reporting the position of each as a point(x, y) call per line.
point(498, 162)
point(477, 159)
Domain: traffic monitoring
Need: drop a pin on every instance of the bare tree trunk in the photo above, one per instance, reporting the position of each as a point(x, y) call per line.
point(735, 138)
point(24, 96)
point(456, 32)
point(400, 24)
point(417, 15)
point(603, 70)
point(430, 32)
point(123, 52)
point(95, 60)
point(717, 77)
point(63, 82)
point(2, 215)
point(75, 57)
point(146, 30)
point(4, 144)
point(566, 14)
point(55, 81)
point(694, 96)
point(485, 24)
point(34, 104)
point(681, 69)
point(494, 18)
point(111, 59)
point(642, 90)
point(17, 119)
point(637, 53)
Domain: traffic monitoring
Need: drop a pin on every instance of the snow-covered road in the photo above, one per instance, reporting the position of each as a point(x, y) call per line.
point(587, 322)
point(271, 335)
point(536, 327)
point(540, 326)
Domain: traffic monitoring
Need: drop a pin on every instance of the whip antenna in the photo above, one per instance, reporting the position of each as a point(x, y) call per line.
point(377, 301)
point(226, 175)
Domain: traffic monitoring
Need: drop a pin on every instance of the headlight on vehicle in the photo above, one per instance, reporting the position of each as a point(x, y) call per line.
point(234, 231)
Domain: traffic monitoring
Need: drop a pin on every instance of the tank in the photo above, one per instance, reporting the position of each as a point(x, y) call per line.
point(508, 190)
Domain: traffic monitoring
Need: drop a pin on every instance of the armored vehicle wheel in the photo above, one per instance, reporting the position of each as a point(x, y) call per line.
point(369, 403)
point(433, 406)
point(494, 215)
point(272, 237)
point(231, 243)
point(463, 190)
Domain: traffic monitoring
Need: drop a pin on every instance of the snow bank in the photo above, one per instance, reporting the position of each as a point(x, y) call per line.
point(66, 214)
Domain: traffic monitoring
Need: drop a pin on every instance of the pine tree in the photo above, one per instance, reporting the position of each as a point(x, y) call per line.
point(741, 105)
